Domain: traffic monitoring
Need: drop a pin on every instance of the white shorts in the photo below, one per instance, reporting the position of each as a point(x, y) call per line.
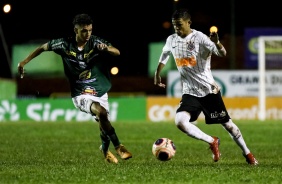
point(83, 102)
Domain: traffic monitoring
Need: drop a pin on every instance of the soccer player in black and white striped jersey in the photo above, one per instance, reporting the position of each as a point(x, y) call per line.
point(192, 51)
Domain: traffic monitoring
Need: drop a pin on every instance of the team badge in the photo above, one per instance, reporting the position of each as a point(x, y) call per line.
point(190, 46)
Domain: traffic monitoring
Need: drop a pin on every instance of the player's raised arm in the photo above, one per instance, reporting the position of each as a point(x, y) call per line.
point(32, 55)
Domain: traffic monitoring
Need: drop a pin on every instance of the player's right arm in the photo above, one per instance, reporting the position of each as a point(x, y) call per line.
point(157, 78)
point(162, 62)
point(221, 51)
point(32, 55)
point(164, 57)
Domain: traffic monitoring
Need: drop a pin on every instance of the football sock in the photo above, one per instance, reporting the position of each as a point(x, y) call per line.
point(105, 141)
point(241, 143)
point(236, 135)
point(113, 137)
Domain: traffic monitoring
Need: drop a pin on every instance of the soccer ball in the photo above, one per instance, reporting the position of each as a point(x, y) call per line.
point(163, 149)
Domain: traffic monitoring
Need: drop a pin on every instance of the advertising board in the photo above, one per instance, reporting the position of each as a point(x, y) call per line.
point(233, 83)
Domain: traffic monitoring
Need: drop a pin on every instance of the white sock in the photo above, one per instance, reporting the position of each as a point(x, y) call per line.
point(236, 135)
point(182, 122)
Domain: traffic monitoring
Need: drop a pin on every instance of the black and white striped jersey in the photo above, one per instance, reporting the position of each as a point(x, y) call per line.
point(192, 56)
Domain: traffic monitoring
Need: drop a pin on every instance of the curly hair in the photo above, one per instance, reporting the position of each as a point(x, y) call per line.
point(82, 19)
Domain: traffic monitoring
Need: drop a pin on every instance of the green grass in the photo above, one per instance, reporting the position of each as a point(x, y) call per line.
point(68, 153)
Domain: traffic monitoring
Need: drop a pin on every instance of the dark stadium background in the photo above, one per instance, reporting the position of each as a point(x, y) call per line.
point(132, 25)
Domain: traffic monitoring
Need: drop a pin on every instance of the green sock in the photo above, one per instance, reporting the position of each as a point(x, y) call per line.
point(105, 141)
point(113, 137)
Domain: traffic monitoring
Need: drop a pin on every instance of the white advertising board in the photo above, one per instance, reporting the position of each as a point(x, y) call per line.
point(233, 83)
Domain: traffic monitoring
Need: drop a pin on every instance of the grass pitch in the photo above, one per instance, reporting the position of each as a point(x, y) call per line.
point(64, 152)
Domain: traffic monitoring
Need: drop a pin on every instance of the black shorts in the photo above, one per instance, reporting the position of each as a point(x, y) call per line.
point(211, 105)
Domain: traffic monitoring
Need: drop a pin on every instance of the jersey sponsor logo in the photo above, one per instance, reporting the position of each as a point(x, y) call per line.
point(189, 61)
point(81, 57)
point(218, 115)
point(71, 53)
point(85, 75)
point(82, 64)
point(56, 46)
point(85, 81)
point(88, 90)
point(87, 54)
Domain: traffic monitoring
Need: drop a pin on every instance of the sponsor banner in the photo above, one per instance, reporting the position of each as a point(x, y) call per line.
point(155, 109)
point(49, 60)
point(161, 108)
point(234, 83)
point(239, 108)
point(273, 52)
point(155, 50)
point(64, 110)
point(8, 89)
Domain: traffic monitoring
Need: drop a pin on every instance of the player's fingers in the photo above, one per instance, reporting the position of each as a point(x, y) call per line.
point(21, 71)
point(161, 85)
point(213, 34)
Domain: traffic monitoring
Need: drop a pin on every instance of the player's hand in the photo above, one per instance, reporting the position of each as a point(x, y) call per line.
point(214, 37)
point(21, 69)
point(102, 46)
point(158, 81)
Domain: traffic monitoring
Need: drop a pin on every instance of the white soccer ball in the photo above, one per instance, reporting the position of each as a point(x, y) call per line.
point(163, 149)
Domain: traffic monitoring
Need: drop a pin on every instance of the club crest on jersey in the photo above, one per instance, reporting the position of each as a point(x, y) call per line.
point(190, 46)
point(89, 91)
point(80, 57)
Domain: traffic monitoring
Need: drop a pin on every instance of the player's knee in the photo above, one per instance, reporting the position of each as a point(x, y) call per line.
point(181, 117)
point(232, 129)
point(103, 113)
point(177, 119)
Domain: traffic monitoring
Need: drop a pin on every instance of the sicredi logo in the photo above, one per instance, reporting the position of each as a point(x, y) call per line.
point(41, 111)
point(44, 112)
point(8, 111)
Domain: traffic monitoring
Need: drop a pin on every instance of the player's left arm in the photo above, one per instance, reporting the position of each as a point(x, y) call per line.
point(220, 48)
point(108, 48)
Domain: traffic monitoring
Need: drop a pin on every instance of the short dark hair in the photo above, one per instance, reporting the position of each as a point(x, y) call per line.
point(181, 14)
point(82, 19)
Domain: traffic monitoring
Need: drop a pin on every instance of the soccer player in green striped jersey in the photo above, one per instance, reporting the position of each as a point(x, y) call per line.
point(88, 77)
